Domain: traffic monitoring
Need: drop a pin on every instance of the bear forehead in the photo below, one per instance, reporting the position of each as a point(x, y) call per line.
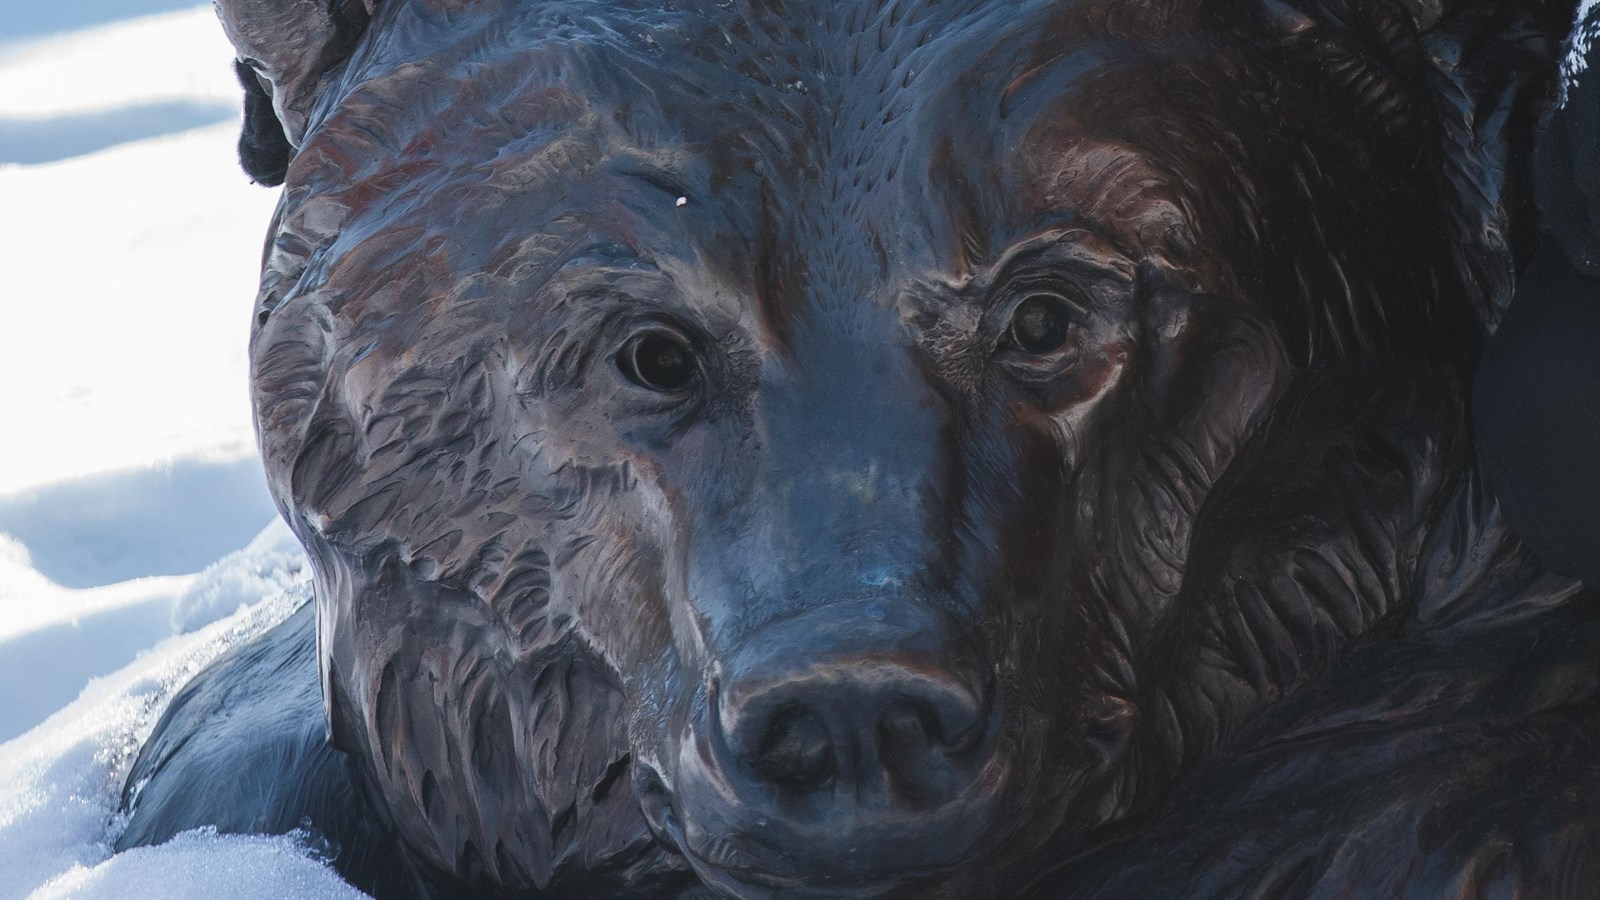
point(857, 139)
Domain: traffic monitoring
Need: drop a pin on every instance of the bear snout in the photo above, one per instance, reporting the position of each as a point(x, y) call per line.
point(855, 741)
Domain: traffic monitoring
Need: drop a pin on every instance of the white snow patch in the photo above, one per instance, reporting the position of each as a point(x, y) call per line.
point(271, 564)
point(130, 279)
point(130, 271)
point(60, 785)
point(173, 57)
point(54, 640)
point(202, 865)
point(130, 243)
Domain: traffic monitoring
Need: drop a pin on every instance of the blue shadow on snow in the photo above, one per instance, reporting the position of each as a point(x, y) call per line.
point(24, 20)
point(160, 521)
point(29, 141)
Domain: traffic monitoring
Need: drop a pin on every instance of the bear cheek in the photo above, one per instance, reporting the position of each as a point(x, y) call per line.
point(288, 364)
point(617, 577)
point(617, 589)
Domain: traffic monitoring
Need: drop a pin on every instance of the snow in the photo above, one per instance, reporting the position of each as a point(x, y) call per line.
point(59, 786)
point(129, 269)
point(137, 538)
point(252, 868)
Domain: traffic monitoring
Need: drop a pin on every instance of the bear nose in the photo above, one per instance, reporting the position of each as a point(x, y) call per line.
point(866, 723)
point(892, 718)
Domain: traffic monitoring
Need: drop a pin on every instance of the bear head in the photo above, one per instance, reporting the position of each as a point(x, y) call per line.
point(844, 449)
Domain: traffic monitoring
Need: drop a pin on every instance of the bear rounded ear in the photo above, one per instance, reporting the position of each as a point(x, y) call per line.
point(1484, 70)
point(288, 52)
point(1426, 13)
point(1499, 68)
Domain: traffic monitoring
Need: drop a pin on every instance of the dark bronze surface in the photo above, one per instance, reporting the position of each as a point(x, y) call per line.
point(917, 449)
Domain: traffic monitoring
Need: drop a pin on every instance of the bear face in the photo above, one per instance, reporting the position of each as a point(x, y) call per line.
point(868, 449)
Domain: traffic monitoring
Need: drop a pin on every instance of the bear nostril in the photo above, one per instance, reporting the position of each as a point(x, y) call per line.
point(914, 736)
point(921, 747)
point(906, 730)
point(861, 714)
point(796, 750)
point(908, 738)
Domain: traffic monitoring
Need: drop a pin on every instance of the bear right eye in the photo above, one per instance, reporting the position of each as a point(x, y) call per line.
point(659, 360)
point(1040, 324)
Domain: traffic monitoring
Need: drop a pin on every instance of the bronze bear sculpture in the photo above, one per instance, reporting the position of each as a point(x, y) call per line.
point(902, 448)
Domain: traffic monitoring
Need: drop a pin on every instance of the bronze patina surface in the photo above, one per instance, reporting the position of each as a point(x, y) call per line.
point(897, 448)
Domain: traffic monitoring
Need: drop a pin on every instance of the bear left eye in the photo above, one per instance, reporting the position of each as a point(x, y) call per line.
point(1040, 324)
point(659, 360)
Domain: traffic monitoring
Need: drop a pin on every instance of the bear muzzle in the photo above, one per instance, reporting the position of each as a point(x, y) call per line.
point(839, 751)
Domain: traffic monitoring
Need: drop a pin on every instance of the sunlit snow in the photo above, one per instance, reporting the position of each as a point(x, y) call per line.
point(137, 540)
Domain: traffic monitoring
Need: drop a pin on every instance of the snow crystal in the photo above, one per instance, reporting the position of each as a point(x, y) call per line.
point(201, 865)
point(270, 565)
point(60, 785)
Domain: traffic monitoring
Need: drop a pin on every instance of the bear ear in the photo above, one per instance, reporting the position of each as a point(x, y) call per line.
point(1470, 79)
point(288, 51)
point(1497, 70)
point(1460, 29)
point(263, 150)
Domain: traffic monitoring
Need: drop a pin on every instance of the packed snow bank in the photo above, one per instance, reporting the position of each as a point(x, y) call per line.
point(175, 57)
point(130, 242)
point(130, 272)
point(269, 565)
point(125, 342)
point(25, 21)
point(204, 865)
point(113, 84)
point(61, 782)
point(199, 865)
point(53, 640)
point(169, 519)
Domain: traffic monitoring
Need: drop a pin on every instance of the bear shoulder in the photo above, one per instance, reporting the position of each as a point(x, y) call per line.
point(242, 749)
point(1475, 774)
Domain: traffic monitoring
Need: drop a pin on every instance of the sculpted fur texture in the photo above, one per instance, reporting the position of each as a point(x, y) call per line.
point(908, 448)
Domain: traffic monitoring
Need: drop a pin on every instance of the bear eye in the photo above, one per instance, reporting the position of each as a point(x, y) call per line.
point(659, 360)
point(1040, 324)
